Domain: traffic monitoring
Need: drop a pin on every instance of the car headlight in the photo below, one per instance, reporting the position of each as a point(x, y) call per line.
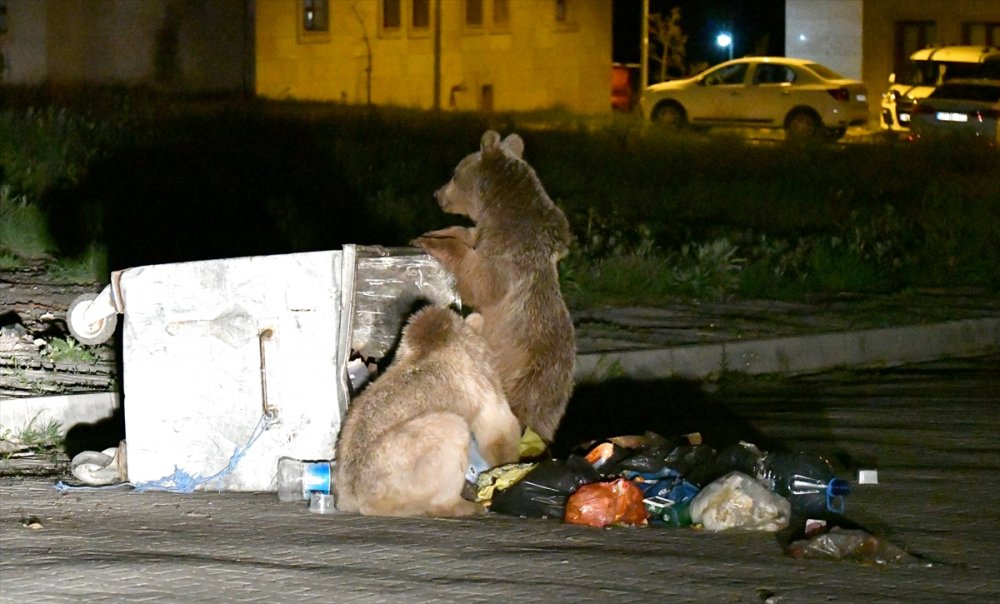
point(891, 97)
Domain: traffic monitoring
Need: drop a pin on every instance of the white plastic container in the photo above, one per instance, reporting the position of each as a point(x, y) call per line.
point(210, 347)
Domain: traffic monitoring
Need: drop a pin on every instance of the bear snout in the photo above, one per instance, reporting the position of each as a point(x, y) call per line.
point(441, 195)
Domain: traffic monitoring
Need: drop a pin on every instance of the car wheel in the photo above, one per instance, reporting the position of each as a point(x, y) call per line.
point(802, 126)
point(670, 116)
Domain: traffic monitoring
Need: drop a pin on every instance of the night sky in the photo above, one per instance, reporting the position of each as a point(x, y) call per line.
point(750, 21)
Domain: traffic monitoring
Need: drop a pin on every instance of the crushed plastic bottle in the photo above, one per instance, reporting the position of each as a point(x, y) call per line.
point(851, 544)
point(298, 479)
point(477, 463)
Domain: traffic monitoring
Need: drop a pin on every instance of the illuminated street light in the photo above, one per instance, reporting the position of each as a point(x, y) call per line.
point(725, 40)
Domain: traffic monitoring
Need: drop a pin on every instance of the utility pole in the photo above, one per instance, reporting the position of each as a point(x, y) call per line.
point(437, 55)
point(644, 54)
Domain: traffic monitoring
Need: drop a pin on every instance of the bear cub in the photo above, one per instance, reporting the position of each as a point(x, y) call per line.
point(505, 268)
point(404, 447)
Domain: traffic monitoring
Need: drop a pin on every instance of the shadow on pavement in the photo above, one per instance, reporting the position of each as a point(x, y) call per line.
point(96, 436)
point(668, 407)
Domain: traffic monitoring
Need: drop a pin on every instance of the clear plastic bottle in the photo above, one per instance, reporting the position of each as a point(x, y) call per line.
point(298, 479)
point(806, 480)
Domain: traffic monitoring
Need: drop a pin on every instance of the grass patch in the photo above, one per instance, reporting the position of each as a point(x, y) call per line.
point(67, 350)
point(9, 261)
point(37, 439)
point(23, 228)
point(648, 277)
point(89, 267)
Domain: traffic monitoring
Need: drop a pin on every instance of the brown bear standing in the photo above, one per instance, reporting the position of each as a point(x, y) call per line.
point(505, 268)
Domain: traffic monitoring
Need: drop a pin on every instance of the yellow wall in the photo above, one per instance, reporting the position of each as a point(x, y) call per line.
point(534, 64)
point(119, 42)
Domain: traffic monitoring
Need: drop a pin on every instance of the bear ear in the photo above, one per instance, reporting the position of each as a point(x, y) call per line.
point(428, 329)
point(515, 145)
point(490, 141)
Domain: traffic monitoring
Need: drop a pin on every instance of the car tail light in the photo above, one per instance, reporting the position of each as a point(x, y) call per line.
point(988, 114)
point(840, 94)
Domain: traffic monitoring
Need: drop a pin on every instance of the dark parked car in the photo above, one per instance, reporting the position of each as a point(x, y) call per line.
point(968, 108)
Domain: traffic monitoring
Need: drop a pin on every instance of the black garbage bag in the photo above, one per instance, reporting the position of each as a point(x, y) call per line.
point(694, 462)
point(648, 459)
point(543, 491)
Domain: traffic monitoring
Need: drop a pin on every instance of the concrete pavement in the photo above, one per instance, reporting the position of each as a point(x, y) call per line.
point(930, 430)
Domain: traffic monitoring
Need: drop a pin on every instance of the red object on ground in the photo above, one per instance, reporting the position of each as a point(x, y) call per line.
point(604, 503)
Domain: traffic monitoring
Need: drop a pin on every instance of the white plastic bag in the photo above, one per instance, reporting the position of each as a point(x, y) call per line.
point(101, 468)
point(739, 501)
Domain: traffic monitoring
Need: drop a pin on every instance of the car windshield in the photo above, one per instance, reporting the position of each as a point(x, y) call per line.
point(930, 73)
point(983, 93)
point(824, 72)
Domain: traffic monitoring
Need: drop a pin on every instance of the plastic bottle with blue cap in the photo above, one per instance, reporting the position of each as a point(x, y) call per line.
point(298, 480)
point(806, 480)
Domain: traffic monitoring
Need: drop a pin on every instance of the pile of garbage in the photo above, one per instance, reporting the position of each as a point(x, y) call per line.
point(650, 480)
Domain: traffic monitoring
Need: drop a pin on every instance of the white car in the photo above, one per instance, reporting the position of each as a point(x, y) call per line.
point(803, 97)
point(927, 69)
point(966, 108)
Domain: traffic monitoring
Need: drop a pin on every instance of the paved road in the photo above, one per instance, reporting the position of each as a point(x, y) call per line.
point(930, 430)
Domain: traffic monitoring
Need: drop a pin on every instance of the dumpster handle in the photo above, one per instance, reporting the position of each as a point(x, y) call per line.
point(269, 413)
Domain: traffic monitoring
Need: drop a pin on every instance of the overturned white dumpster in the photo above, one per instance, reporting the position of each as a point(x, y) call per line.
point(230, 364)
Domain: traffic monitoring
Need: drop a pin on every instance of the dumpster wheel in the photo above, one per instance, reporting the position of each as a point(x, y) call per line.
point(93, 333)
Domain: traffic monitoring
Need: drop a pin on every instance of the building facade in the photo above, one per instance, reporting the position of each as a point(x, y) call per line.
point(870, 39)
point(505, 55)
point(200, 45)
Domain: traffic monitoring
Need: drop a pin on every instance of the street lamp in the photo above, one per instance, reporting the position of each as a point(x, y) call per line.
point(725, 40)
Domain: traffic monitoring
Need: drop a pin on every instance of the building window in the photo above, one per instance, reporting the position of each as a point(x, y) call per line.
point(501, 14)
point(392, 16)
point(564, 16)
point(486, 99)
point(3, 20)
point(473, 13)
point(562, 11)
point(981, 34)
point(911, 36)
point(421, 14)
point(315, 15)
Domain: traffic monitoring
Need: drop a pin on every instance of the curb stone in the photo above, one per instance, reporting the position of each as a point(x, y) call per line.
point(798, 354)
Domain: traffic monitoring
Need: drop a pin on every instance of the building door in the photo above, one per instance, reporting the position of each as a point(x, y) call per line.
point(486, 99)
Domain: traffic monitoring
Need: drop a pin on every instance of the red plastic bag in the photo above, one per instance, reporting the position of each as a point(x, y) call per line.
point(604, 503)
